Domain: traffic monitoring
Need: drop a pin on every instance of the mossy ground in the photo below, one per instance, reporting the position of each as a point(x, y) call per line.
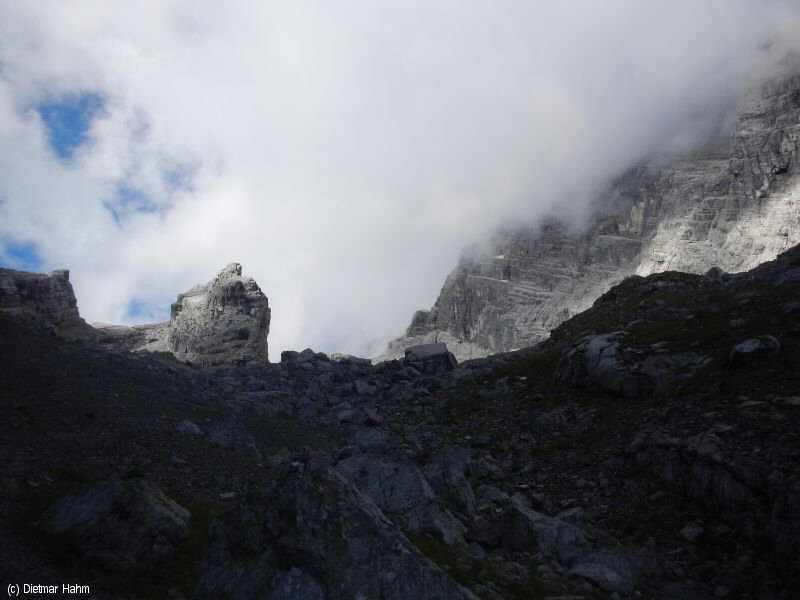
point(472, 573)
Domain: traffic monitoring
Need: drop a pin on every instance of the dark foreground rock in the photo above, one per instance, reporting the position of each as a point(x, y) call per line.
point(129, 526)
point(430, 358)
point(308, 534)
point(630, 455)
point(402, 492)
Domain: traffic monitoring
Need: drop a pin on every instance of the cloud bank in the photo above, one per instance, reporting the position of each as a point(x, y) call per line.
point(344, 152)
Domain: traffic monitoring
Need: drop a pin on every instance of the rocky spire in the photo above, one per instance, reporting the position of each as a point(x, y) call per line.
point(224, 321)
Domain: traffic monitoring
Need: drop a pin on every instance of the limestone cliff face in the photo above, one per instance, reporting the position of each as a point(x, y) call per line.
point(45, 298)
point(223, 321)
point(226, 320)
point(734, 207)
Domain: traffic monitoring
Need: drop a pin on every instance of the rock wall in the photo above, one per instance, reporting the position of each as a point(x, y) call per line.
point(733, 206)
point(43, 298)
point(223, 321)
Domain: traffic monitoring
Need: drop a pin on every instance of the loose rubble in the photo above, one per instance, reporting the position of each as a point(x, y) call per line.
point(628, 456)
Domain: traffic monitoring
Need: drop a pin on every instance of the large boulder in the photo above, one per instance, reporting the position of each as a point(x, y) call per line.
point(430, 358)
point(610, 569)
point(401, 491)
point(448, 474)
point(43, 298)
point(530, 531)
point(129, 526)
point(231, 433)
point(224, 321)
point(755, 351)
point(309, 534)
point(596, 360)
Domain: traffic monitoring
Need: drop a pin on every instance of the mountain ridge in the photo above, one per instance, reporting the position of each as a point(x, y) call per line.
point(733, 207)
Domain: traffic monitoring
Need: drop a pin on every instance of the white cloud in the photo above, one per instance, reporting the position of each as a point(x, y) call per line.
point(345, 151)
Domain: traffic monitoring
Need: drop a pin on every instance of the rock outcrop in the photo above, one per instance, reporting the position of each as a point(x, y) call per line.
point(45, 298)
point(430, 358)
point(732, 205)
point(310, 534)
point(129, 526)
point(402, 492)
point(226, 320)
point(223, 321)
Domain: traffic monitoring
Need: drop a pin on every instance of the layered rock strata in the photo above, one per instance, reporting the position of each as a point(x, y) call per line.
point(46, 298)
point(733, 205)
point(226, 320)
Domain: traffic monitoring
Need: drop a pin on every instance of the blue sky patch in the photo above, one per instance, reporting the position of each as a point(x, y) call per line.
point(22, 257)
point(179, 177)
point(128, 199)
point(141, 311)
point(68, 119)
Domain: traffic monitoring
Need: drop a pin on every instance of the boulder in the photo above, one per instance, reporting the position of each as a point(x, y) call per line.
point(447, 474)
point(755, 351)
point(596, 361)
point(231, 433)
point(224, 321)
point(308, 534)
point(349, 359)
point(609, 569)
point(531, 531)
point(188, 427)
point(430, 359)
point(401, 491)
point(128, 526)
point(288, 356)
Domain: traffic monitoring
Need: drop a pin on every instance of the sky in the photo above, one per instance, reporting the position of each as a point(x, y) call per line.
point(345, 152)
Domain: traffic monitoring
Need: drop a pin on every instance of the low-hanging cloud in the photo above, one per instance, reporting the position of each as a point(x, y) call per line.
point(344, 152)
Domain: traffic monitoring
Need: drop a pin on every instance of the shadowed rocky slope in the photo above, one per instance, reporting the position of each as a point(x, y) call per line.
point(733, 206)
point(648, 449)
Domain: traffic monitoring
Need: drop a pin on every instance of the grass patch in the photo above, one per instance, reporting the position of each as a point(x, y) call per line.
point(581, 442)
point(532, 374)
point(471, 572)
point(188, 552)
point(460, 410)
point(662, 522)
point(537, 369)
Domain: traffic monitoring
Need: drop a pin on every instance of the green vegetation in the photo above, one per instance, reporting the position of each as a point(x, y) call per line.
point(660, 521)
point(188, 552)
point(583, 442)
point(471, 572)
point(533, 374)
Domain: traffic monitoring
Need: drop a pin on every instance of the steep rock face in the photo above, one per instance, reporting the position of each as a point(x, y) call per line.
point(42, 297)
point(226, 320)
point(733, 206)
point(223, 321)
